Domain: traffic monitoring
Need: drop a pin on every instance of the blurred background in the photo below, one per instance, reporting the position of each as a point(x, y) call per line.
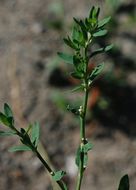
point(35, 82)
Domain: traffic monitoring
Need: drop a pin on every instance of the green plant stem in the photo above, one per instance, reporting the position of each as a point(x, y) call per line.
point(44, 162)
point(82, 124)
point(82, 131)
point(60, 182)
point(83, 139)
point(80, 173)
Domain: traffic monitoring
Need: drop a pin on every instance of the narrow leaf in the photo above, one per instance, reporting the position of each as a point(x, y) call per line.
point(96, 71)
point(100, 50)
point(19, 148)
point(108, 48)
point(91, 12)
point(70, 43)
point(7, 110)
point(85, 160)
point(78, 157)
point(103, 22)
point(83, 27)
point(100, 33)
point(4, 119)
point(78, 88)
point(124, 183)
point(88, 146)
point(35, 133)
point(66, 57)
point(73, 110)
point(58, 175)
point(7, 133)
point(77, 75)
point(75, 33)
point(94, 13)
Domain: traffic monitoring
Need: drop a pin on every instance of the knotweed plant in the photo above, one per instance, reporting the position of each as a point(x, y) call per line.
point(84, 34)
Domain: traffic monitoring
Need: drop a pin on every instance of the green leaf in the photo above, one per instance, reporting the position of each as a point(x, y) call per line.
point(70, 43)
point(78, 157)
point(58, 175)
point(78, 88)
point(100, 50)
point(77, 75)
point(35, 133)
point(124, 183)
point(80, 154)
point(23, 131)
point(85, 161)
point(94, 13)
point(7, 133)
point(25, 136)
point(91, 12)
point(83, 27)
point(75, 33)
point(79, 64)
point(103, 22)
point(88, 146)
point(7, 110)
point(19, 148)
point(108, 48)
point(96, 71)
point(73, 110)
point(100, 33)
point(66, 57)
point(5, 120)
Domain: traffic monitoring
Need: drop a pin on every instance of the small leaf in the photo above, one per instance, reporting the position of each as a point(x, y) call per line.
point(103, 22)
point(58, 175)
point(78, 157)
point(25, 137)
point(7, 110)
point(70, 43)
point(77, 63)
point(73, 110)
point(7, 133)
point(5, 120)
point(78, 88)
point(108, 48)
point(100, 33)
point(96, 71)
point(75, 33)
point(66, 57)
point(85, 161)
point(100, 50)
point(94, 13)
point(88, 146)
point(19, 148)
point(35, 133)
point(91, 12)
point(83, 27)
point(77, 75)
point(124, 183)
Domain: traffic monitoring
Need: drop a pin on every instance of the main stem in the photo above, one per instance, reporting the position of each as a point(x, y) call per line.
point(83, 140)
point(82, 131)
